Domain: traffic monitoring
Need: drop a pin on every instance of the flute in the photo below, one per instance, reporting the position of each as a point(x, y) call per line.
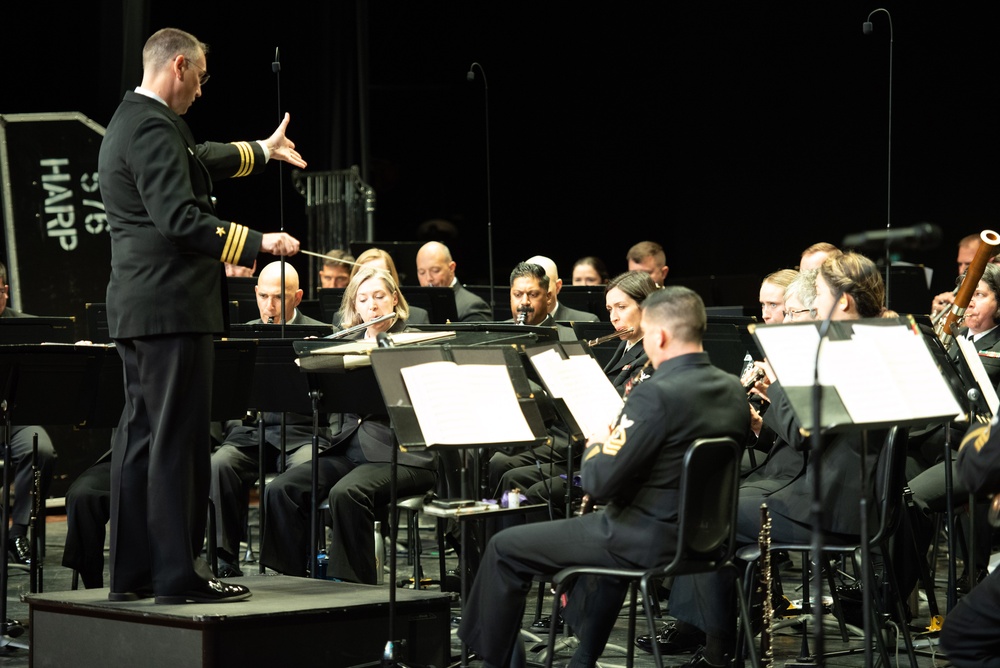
point(618, 333)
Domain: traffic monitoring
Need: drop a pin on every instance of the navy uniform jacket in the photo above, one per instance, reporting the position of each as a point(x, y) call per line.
point(167, 243)
point(623, 364)
point(470, 308)
point(638, 470)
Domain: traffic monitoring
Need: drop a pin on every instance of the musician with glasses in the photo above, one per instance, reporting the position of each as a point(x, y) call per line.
point(165, 303)
point(849, 286)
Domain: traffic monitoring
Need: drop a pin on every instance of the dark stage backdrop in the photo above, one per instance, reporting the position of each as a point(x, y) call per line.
point(734, 133)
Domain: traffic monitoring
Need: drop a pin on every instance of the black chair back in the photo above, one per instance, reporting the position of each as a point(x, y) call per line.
point(708, 498)
point(890, 479)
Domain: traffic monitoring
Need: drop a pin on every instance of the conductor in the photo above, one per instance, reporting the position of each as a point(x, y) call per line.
point(165, 301)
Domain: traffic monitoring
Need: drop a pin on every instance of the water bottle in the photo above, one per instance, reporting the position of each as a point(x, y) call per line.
point(388, 654)
point(379, 554)
point(322, 561)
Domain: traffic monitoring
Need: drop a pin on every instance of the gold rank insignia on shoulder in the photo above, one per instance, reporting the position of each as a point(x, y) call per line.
point(977, 436)
point(233, 248)
point(246, 158)
point(220, 231)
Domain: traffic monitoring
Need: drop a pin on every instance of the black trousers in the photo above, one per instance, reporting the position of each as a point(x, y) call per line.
point(970, 637)
point(88, 506)
point(160, 464)
point(354, 491)
point(491, 618)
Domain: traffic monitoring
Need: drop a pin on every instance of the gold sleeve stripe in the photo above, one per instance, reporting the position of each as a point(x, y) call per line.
point(246, 158)
point(235, 241)
point(977, 436)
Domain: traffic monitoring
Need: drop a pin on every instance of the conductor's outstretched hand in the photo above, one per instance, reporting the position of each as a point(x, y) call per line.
point(279, 243)
point(283, 148)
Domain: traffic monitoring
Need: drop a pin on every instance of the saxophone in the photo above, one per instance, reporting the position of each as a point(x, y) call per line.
point(767, 584)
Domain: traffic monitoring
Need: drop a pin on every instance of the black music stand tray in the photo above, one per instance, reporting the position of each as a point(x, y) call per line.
point(822, 411)
point(388, 363)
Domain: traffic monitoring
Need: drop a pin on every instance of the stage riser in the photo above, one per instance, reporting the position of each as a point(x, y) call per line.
point(66, 633)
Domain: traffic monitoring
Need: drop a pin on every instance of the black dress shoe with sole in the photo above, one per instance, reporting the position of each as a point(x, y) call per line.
point(19, 550)
point(699, 661)
point(671, 641)
point(210, 591)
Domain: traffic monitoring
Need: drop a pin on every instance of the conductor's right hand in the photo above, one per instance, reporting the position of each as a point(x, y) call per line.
point(279, 243)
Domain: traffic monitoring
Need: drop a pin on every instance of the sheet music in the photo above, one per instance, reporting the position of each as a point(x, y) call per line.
point(457, 404)
point(971, 355)
point(881, 373)
point(582, 384)
point(911, 384)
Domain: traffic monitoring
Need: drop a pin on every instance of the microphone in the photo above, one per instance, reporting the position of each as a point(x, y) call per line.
point(384, 341)
point(471, 76)
point(866, 27)
point(922, 236)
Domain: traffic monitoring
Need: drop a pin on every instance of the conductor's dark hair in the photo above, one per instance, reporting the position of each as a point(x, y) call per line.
point(679, 310)
point(531, 270)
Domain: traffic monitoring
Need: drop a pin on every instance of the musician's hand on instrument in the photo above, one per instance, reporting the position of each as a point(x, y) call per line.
point(942, 301)
point(283, 148)
point(279, 243)
point(769, 376)
point(756, 421)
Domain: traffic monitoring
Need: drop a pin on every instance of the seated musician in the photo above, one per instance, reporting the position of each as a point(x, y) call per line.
point(559, 312)
point(926, 467)
point(623, 296)
point(634, 470)
point(848, 286)
point(436, 268)
point(969, 636)
point(354, 471)
point(22, 438)
point(235, 462)
point(380, 259)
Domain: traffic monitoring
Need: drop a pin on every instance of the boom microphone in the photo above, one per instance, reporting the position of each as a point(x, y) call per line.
point(922, 236)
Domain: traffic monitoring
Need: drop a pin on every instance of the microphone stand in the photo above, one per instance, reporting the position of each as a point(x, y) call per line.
point(470, 76)
point(867, 28)
point(815, 595)
point(282, 452)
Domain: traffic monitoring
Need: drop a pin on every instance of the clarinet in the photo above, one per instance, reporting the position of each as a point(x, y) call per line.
point(766, 582)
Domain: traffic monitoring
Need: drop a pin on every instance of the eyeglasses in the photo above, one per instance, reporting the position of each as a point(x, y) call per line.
point(204, 76)
point(791, 314)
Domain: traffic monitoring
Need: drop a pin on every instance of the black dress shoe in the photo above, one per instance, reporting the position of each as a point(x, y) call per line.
point(210, 591)
point(126, 596)
point(671, 641)
point(19, 550)
point(229, 571)
point(699, 661)
point(546, 621)
point(962, 584)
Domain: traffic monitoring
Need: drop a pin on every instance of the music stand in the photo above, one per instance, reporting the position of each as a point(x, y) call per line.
point(438, 302)
point(389, 365)
point(330, 300)
point(580, 392)
point(42, 384)
point(52, 329)
point(589, 298)
point(888, 357)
